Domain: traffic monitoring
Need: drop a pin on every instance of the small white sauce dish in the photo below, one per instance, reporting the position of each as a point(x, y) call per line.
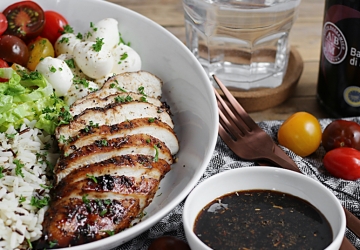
point(264, 178)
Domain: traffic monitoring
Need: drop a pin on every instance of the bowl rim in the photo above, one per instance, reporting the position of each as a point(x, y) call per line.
point(188, 225)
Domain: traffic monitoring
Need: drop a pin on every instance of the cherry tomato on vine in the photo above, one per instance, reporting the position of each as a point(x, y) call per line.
point(3, 64)
point(54, 26)
point(301, 133)
point(3, 23)
point(341, 133)
point(25, 19)
point(13, 50)
point(39, 49)
point(343, 163)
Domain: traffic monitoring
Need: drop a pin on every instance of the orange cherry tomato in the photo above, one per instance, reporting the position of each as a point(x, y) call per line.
point(38, 50)
point(301, 133)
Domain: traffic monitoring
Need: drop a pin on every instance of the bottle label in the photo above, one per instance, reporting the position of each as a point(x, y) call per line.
point(352, 96)
point(334, 43)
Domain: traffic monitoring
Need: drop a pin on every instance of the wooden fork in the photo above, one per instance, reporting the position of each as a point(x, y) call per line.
point(247, 140)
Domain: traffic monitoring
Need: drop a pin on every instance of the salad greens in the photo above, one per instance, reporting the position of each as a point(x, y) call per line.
point(28, 95)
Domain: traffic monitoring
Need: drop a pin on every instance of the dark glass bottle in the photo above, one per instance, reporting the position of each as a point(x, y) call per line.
point(338, 89)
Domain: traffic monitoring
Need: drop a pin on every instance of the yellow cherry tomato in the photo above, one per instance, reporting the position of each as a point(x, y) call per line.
point(39, 49)
point(301, 133)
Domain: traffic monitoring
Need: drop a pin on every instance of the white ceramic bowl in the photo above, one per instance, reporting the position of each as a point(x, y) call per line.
point(187, 90)
point(267, 178)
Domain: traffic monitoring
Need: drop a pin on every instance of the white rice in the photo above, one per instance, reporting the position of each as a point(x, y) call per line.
point(20, 221)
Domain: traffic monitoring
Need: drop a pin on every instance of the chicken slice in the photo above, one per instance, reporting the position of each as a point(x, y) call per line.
point(79, 220)
point(105, 149)
point(155, 128)
point(141, 82)
point(112, 114)
point(95, 102)
point(135, 166)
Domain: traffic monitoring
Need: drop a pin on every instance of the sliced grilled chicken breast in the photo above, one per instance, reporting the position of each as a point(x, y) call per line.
point(79, 220)
point(136, 166)
point(95, 102)
point(105, 149)
point(141, 82)
point(112, 114)
point(155, 128)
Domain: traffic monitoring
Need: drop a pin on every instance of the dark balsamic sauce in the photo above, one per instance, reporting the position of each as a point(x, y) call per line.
point(262, 219)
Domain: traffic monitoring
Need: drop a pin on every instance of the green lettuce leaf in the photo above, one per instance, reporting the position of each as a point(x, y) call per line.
point(28, 96)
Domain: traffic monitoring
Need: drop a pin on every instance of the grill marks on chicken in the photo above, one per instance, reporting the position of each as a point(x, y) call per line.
point(105, 149)
point(113, 114)
point(116, 150)
point(75, 221)
point(97, 102)
point(152, 127)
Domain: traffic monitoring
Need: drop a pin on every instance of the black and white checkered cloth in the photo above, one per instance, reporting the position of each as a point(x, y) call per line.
point(348, 192)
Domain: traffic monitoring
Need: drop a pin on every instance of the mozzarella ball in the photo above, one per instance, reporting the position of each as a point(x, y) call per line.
point(79, 90)
point(65, 44)
point(57, 73)
point(125, 59)
point(106, 29)
point(95, 64)
point(69, 59)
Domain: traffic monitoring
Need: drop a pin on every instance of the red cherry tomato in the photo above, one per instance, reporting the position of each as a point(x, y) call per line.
point(343, 163)
point(341, 133)
point(3, 64)
point(54, 26)
point(3, 23)
point(25, 19)
point(14, 50)
point(168, 243)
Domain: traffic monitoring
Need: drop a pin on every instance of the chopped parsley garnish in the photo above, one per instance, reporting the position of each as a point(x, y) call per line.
point(143, 99)
point(92, 26)
point(79, 36)
point(29, 243)
point(65, 116)
point(52, 69)
point(45, 187)
point(148, 140)
point(33, 75)
point(98, 44)
point(39, 203)
point(121, 40)
point(151, 119)
point(123, 57)
point(109, 232)
point(107, 202)
point(81, 81)
point(68, 29)
point(22, 199)
point(92, 178)
point(62, 139)
point(112, 85)
point(156, 158)
point(104, 142)
point(141, 90)
point(123, 99)
point(52, 243)
point(103, 212)
point(85, 199)
point(18, 168)
point(64, 40)
point(70, 63)
point(1, 172)
point(10, 136)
